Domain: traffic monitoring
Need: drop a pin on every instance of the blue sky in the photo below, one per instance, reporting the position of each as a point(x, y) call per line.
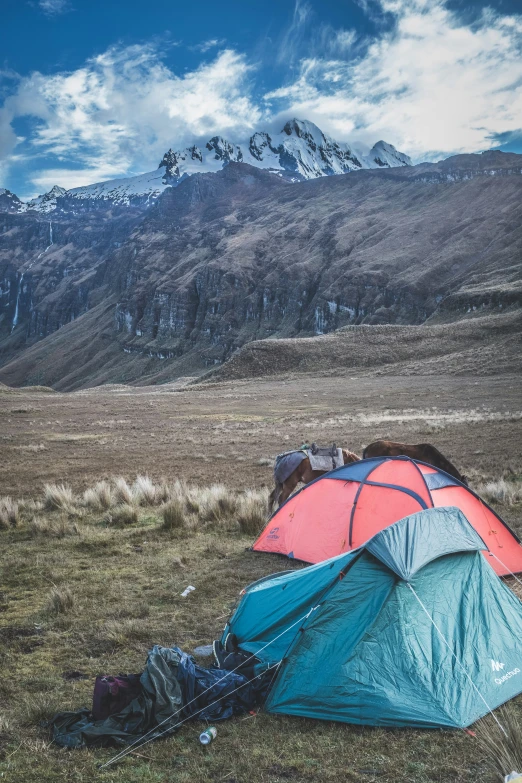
point(93, 90)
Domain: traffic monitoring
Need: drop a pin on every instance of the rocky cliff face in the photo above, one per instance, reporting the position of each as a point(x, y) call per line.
point(240, 255)
point(9, 202)
point(48, 201)
point(51, 270)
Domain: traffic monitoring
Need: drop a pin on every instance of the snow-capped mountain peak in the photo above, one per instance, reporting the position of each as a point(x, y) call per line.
point(224, 151)
point(9, 202)
point(385, 155)
point(55, 191)
point(216, 154)
point(304, 129)
point(299, 151)
point(47, 201)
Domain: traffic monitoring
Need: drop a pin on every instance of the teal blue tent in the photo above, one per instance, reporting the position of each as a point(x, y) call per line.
point(412, 629)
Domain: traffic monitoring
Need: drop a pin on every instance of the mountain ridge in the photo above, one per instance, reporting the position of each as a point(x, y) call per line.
point(239, 255)
point(300, 151)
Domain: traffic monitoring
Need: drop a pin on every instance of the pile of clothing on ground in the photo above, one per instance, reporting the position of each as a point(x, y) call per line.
point(171, 689)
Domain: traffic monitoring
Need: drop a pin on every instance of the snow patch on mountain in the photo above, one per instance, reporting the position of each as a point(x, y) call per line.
point(300, 151)
point(47, 201)
point(146, 186)
point(9, 202)
point(383, 155)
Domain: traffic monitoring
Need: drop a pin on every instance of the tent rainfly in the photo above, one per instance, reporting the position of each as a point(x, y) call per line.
point(412, 629)
point(344, 508)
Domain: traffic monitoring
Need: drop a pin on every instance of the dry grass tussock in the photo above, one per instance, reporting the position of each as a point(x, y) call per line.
point(54, 528)
point(31, 506)
point(182, 506)
point(123, 492)
point(503, 748)
point(58, 496)
point(124, 514)
point(100, 497)
point(252, 515)
point(175, 514)
point(9, 513)
point(216, 505)
point(506, 492)
point(61, 601)
point(144, 491)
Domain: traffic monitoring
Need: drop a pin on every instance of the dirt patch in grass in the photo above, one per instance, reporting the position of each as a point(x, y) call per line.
point(230, 432)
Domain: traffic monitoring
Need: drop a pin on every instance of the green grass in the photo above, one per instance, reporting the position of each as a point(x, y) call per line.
point(125, 585)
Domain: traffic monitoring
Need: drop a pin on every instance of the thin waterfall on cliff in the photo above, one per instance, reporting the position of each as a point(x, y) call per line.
point(21, 281)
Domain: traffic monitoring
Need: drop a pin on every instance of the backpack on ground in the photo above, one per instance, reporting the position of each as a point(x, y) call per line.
point(113, 694)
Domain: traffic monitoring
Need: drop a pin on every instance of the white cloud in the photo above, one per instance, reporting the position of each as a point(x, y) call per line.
point(296, 34)
point(121, 111)
point(308, 34)
point(428, 83)
point(431, 84)
point(54, 7)
point(72, 178)
point(205, 46)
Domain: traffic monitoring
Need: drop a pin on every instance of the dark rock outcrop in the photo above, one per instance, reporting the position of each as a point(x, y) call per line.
point(240, 255)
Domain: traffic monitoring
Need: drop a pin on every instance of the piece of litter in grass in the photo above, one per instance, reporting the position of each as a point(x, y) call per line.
point(204, 649)
point(187, 590)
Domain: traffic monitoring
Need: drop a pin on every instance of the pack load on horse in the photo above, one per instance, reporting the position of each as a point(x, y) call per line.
point(304, 465)
point(345, 507)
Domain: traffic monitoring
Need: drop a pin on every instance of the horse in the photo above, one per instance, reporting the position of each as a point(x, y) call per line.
point(302, 474)
point(424, 452)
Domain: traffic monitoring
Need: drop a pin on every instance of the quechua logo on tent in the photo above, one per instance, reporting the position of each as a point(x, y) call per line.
point(497, 667)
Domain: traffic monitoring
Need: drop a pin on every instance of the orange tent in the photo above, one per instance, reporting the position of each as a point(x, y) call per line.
point(343, 509)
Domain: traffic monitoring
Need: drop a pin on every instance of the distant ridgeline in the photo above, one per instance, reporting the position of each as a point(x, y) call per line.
point(109, 283)
point(300, 151)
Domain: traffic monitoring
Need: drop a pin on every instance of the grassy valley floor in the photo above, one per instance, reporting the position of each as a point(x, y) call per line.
point(86, 588)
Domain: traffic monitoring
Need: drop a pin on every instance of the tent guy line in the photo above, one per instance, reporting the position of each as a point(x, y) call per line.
point(432, 621)
point(130, 749)
point(149, 739)
point(492, 554)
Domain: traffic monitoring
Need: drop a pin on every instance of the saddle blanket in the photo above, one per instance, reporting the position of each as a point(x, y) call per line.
point(325, 462)
point(286, 463)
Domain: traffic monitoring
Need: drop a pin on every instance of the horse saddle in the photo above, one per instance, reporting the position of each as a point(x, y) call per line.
point(325, 458)
point(329, 451)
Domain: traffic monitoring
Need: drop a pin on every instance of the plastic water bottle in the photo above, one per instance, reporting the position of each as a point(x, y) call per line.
point(208, 735)
point(187, 590)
